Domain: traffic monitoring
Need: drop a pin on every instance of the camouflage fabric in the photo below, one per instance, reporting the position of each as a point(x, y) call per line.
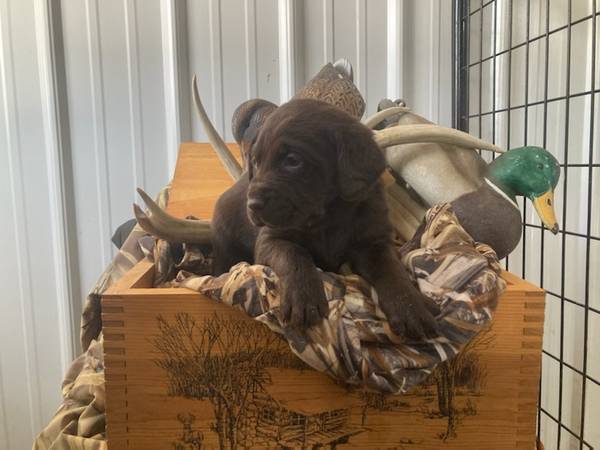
point(355, 344)
point(128, 256)
point(79, 422)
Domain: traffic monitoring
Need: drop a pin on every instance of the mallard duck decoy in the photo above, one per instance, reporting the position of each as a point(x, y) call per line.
point(483, 195)
point(491, 214)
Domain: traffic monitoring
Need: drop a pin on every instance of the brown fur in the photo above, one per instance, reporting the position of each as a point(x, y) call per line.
point(311, 197)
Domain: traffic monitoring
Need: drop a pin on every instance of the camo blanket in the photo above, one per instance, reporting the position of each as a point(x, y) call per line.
point(355, 344)
point(79, 422)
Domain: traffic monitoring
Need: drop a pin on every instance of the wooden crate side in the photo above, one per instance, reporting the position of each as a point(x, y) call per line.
point(530, 301)
point(514, 283)
point(139, 276)
point(115, 365)
point(130, 383)
point(137, 393)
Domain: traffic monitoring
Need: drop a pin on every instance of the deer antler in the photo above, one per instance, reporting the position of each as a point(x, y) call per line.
point(163, 225)
point(378, 117)
point(172, 229)
point(231, 165)
point(414, 133)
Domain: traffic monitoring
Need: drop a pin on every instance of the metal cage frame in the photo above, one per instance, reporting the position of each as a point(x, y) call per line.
point(463, 62)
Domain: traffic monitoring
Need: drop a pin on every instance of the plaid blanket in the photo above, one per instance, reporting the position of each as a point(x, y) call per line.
point(355, 344)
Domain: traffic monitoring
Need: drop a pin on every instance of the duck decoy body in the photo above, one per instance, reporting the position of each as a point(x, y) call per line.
point(483, 195)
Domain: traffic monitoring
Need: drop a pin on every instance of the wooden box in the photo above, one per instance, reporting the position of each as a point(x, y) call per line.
point(183, 372)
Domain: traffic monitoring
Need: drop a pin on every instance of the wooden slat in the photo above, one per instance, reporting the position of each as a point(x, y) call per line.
point(139, 276)
point(199, 180)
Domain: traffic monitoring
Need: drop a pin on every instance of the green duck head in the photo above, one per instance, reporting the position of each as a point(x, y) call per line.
point(531, 172)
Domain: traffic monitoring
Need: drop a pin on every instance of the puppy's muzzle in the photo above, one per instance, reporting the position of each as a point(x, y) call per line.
point(266, 206)
point(254, 208)
point(257, 205)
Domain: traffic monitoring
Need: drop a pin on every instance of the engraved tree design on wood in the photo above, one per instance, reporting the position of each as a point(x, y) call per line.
point(464, 372)
point(190, 439)
point(462, 376)
point(223, 361)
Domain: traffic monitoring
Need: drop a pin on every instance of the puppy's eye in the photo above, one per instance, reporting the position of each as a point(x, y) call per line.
point(292, 162)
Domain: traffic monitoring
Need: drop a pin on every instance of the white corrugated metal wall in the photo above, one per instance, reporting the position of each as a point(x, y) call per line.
point(94, 99)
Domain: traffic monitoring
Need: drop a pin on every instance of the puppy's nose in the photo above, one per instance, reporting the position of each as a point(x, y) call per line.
point(255, 204)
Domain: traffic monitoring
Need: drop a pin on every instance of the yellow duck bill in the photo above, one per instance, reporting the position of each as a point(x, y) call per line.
point(544, 205)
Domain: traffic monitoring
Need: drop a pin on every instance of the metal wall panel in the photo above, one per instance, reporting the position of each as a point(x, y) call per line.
point(94, 97)
point(34, 333)
point(114, 79)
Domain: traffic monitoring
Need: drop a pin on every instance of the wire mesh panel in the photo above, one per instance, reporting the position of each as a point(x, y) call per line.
point(527, 72)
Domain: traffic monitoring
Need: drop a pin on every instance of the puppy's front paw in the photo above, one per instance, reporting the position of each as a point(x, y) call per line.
point(410, 318)
point(304, 304)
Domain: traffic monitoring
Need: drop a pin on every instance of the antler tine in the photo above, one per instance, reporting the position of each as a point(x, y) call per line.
point(378, 117)
point(231, 165)
point(164, 226)
point(414, 133)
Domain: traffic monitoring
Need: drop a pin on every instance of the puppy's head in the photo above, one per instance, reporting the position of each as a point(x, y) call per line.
point(308, 154)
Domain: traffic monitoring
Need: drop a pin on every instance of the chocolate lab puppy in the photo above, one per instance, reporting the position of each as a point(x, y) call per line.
point(311, 197)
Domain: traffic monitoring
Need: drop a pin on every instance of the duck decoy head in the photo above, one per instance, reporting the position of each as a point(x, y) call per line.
point(532, 172)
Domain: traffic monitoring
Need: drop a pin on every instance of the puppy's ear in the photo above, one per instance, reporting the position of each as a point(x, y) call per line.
point(360, 163)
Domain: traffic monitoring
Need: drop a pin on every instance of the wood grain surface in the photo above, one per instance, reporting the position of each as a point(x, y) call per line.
point(492, 389)
point(198, 181)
